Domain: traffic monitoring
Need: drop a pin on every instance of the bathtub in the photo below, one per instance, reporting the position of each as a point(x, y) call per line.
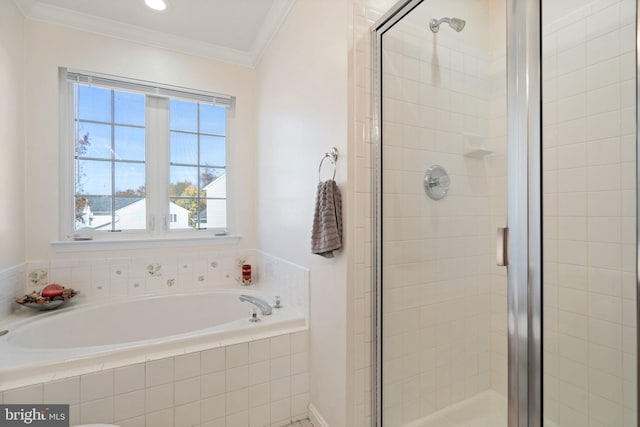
point(90, 335)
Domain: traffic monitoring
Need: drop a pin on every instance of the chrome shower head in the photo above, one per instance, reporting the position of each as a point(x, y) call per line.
point(455, 23)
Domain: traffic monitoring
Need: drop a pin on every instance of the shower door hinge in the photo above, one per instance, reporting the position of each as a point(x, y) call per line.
point(502, 259)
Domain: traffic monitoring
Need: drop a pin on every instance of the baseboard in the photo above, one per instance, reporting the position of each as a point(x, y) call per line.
point(315, 417)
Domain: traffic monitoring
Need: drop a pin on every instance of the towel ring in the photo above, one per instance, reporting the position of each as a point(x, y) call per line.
point(333, 157)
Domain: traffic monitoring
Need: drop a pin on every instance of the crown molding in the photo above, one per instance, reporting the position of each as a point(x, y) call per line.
point(272, 23)
point(94, 24)
point(24, 6)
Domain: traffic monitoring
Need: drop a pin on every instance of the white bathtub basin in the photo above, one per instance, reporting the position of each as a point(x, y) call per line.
point(89, 334)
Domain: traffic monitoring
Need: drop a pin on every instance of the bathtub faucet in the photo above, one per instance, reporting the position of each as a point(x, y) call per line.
point(261, 304)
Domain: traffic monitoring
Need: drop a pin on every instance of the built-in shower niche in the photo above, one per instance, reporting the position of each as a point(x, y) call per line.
point(475, 146)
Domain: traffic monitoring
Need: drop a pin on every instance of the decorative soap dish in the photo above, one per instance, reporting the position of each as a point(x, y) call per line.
point(50, 298)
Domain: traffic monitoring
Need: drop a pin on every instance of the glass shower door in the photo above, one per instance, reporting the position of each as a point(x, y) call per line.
point(443, 190)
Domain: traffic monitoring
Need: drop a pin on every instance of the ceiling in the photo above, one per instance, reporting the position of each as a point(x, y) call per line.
point(235, 31)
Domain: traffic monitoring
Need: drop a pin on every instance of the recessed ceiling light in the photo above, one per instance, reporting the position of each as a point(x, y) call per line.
point(156, 4)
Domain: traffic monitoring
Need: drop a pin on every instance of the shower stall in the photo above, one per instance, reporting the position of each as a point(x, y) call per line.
point(505, 224)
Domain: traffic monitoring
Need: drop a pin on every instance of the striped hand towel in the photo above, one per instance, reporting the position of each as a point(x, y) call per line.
point(326, 235)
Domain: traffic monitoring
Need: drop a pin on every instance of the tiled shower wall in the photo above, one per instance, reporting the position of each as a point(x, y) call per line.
point(589, 216)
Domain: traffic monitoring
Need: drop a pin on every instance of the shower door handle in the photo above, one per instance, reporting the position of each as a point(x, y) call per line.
point(502, 247)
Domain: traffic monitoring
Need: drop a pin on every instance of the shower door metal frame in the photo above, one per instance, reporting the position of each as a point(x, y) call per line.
point(524, 210)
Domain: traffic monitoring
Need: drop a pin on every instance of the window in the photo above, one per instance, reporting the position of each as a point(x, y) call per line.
point(146, 157)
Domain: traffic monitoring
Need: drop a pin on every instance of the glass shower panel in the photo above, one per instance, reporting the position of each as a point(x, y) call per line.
point(589, 213)
point(444, 311)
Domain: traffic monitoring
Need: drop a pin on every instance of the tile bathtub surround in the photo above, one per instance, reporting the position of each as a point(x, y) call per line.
point(137, 276)
point(11, 287)
point(261, 383)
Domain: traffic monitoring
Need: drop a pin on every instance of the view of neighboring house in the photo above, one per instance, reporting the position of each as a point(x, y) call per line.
point(132, 217)
point(130, 213)
point(216, 215)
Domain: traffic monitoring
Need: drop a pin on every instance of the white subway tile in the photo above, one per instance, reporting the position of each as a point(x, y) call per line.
point(213, 384)
point(213, 408)
point(129, 405)
point(187, 366)
point(237, 355)
point(159, 397)
point(260, 416)
point(259, 350)
point(281, 410)
point(213, 360)
point(97, 385)
point(603, 47)
point(572, 300)
point(605, 255)
point(29, 394)
point(572, 35)
point(280, 346)
point(237, 401)
point(604, 21)
point(259, 394)
point(300, 384)
point(299, 406)
point(187, 391)
point(159, 372)
point(280, 367)
point(66, 391)
point(129, 378)
point(74, 415)
point(187, 415)
point(605, 333)
point(240, 419)
point(603, 359)
point(603, 73)
point(237, 378)
point(572, 59)
point(259, 372)
point(280, 388)
point(97, 411)
point(605, 411)
point(604, 203)
point(299, 342)
point(161, 418)
point(602, 178)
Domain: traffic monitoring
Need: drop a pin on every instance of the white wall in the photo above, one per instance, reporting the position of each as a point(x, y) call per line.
point(12, 165)
point(302, 93)
point(49, 47)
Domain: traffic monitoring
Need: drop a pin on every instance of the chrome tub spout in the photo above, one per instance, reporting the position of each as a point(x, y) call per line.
point(261, 304)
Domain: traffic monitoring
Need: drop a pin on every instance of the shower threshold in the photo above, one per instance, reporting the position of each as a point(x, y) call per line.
point(485, 409)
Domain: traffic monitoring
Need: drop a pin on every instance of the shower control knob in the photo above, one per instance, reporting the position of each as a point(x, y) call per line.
point(436, 182)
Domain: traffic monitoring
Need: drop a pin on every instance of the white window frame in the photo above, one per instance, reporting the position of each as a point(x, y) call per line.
point(157, 165)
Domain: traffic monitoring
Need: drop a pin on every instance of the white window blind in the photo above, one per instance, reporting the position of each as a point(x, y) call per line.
point(147, 88)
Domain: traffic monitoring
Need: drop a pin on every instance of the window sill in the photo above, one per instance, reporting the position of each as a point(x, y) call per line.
point(142, 243)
